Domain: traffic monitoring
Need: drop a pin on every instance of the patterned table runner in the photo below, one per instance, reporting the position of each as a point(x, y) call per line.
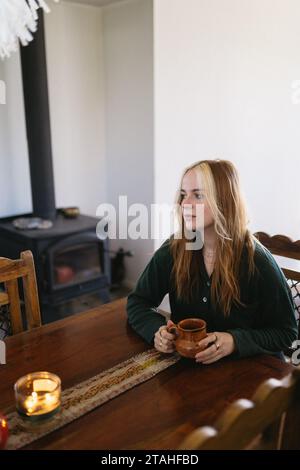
point(84, 397)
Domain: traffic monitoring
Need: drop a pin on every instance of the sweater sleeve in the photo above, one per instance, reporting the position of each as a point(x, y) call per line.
point(150, 290)
point(275, 323)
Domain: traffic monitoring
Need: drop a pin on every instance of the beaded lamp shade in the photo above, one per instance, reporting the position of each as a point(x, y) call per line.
point(18, 20)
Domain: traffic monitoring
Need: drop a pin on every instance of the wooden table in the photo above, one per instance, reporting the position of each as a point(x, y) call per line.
point(154, 415)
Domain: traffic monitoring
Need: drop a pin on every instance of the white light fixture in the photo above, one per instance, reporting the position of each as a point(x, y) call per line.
point(18, 19)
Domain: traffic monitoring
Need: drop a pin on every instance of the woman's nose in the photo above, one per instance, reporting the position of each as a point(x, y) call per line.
point(188, 200)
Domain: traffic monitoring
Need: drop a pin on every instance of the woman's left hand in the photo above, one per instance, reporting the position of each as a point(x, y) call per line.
point(215, 346)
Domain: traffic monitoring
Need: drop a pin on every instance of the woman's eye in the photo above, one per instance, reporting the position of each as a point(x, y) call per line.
point(197, 196)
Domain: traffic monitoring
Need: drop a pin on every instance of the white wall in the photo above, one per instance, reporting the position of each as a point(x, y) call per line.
point(15, 195)
point(4, 161)
point(76, 94)
point(74, 45)
point(128, 55)
point(223, 74)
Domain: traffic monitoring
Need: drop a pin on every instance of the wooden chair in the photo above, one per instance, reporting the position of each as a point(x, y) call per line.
point(269, 421)
point(10, 272)
point(280, 245)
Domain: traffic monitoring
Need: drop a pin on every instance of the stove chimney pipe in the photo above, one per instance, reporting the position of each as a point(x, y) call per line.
point(37, 115)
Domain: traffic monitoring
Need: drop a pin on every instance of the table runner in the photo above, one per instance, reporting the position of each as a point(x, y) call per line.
point(87, 395)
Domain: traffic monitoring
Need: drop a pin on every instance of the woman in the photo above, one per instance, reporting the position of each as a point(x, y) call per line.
point(231, 281)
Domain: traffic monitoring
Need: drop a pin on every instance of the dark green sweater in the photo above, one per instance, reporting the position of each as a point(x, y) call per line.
point(266, 325)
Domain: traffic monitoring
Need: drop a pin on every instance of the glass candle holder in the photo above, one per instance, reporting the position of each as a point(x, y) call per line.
point(38, 395)
point(3, 431)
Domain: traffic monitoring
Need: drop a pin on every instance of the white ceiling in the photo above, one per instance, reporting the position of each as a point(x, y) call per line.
point(99, 3)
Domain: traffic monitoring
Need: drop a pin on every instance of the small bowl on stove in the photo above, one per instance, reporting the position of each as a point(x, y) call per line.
point(70, 212)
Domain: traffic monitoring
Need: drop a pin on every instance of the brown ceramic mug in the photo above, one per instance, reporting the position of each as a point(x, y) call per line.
point(188, 333)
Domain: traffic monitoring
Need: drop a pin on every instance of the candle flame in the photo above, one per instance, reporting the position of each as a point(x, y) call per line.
point(3, 423)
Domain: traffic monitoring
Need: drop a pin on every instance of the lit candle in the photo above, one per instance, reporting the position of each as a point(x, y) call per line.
point(38, 395)
point(3, 431)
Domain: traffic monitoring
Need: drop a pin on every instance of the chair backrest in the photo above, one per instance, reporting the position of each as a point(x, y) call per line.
point(283, 246)
point(269, 421)
point(10, 272)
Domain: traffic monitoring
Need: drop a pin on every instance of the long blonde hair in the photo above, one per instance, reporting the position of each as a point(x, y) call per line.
point(222, 191)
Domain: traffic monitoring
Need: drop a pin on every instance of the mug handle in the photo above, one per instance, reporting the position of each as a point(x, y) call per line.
point(173, 330)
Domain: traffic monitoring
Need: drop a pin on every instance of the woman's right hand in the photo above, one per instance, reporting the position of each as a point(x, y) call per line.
point(163, 340)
